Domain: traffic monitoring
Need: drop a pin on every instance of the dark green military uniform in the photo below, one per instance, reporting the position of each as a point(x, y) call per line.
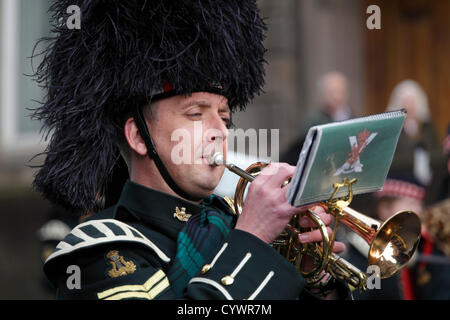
point(125, 252)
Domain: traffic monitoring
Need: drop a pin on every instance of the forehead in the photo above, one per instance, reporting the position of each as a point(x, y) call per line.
point(182, 102)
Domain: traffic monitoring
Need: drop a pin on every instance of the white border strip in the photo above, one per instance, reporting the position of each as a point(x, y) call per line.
point(82, 235)
point(103, 228)
point(241, 264)
point(262, 285)
point(218, 254)
point(214, 284)
point(124, 226)
point(9, 64)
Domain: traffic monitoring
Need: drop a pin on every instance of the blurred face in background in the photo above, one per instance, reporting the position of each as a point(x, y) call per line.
point(412, 122)
point(389, 206)
point(409, 103)
point(409, 95)
point(334, 92)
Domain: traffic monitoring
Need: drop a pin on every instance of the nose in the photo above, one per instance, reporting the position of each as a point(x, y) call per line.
point(217, 130)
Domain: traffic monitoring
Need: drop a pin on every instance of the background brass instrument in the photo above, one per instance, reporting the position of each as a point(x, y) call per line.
point(392, 243)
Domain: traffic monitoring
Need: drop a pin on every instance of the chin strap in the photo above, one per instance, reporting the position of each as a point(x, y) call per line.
point(151, 152)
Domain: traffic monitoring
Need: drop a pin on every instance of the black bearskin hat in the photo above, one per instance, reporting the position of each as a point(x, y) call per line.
point(124, 53)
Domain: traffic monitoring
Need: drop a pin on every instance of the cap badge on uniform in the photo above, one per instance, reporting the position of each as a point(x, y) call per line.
point(120, 267)
point(181, 214)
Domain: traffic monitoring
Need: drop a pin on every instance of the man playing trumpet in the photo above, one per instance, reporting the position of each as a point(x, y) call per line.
point(124, 83)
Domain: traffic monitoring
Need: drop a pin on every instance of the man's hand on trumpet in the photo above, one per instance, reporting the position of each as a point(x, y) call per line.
point(266, 211)
point(316, 235)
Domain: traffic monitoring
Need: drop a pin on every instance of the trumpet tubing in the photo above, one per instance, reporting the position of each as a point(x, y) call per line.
point(392, 243)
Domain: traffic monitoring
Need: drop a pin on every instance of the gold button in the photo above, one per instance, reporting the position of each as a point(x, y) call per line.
point(227, 280)
point(206, 268)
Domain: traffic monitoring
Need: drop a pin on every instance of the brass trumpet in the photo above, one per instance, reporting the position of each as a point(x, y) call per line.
point(392, 243)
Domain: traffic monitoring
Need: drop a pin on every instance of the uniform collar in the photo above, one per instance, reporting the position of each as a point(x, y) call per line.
point(153, 207)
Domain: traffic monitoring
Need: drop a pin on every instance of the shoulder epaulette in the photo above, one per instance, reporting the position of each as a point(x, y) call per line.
point(97, 232)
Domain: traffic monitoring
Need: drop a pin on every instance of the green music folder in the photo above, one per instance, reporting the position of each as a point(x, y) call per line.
point(360, 148)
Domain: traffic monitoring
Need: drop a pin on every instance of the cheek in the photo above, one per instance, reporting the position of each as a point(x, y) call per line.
point(192, 134)
point(220, 173)
point(180, 140)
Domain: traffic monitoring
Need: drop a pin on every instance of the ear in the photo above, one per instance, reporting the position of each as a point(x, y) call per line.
point(134, 138)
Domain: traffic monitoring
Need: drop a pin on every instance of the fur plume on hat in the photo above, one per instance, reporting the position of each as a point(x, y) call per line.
point(125, 51)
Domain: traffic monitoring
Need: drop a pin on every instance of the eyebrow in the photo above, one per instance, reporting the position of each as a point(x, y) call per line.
point(189, 103)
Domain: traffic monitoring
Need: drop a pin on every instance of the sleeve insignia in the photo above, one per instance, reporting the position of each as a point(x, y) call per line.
point(120, 267)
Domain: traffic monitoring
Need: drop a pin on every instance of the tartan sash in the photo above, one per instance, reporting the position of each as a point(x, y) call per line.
point(198, 240)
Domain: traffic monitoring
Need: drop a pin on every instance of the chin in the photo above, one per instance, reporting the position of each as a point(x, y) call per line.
point(207, 186)
point(203, 180)
point(201, 192)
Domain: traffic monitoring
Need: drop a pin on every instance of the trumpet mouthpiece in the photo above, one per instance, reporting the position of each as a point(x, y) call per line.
point(216, 159)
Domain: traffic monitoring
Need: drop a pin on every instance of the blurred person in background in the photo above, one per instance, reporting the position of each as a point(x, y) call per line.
point(437, 214)
point(418, 150)
point(440, 186)
point(333, 94)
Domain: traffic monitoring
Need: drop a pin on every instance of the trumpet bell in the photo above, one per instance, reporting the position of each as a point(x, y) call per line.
point(395, 243)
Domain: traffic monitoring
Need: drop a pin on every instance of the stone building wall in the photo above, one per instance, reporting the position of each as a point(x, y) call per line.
point(306, 38)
